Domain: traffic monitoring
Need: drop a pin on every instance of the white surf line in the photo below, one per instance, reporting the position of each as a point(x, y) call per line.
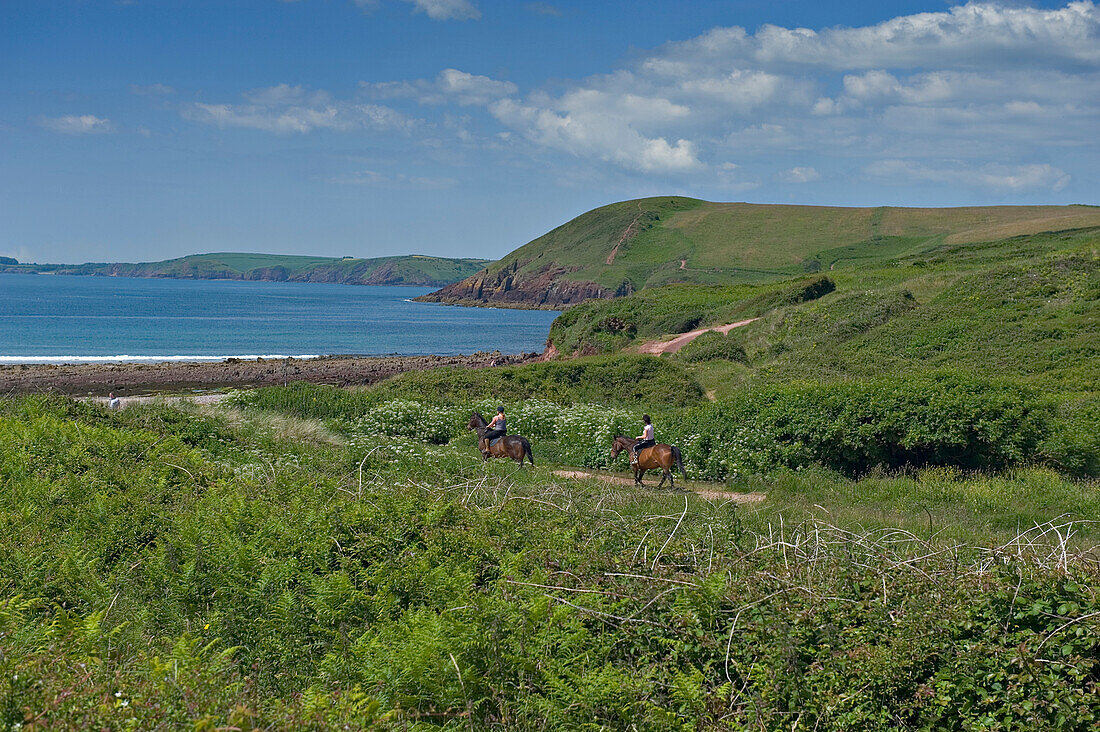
point(126, 358)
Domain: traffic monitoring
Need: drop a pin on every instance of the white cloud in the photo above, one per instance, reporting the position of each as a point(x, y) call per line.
point(973, 35)
point(77, 124)
point(447, 9)
point(740, 89)
point(981, 96)
point(450, 85)
point(471, 89)
point(993, 176)
point(595, 135)
point(975, 72)
point(285, 94)
point(800, 175)
point(292, 109)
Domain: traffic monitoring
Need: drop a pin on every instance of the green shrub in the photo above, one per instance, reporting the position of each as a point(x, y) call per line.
point(606, 379)
point(941, 419)
point(307, 401)
point(420, 421)
point(1073, 443)
point(713, 346)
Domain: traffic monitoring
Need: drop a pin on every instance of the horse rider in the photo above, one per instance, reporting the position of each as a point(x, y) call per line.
point(644, 440)
point(498, 427)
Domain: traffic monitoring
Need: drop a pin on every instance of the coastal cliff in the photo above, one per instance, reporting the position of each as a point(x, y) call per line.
point(626, 247)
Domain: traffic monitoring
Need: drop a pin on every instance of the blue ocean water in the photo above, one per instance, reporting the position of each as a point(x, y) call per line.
point(52, 318)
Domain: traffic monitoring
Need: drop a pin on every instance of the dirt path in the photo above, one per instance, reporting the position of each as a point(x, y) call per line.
point(702, 493)
point(675, 344)
point(624, 237)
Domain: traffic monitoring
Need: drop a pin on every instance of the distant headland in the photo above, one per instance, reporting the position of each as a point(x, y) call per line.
point(412, 270)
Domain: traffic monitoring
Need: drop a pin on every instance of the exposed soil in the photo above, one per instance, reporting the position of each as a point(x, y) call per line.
point(630, 231)
point(144, 378)
point(702, 492)
point(675, 344)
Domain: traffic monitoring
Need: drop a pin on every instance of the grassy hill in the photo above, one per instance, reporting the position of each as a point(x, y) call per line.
point(400, 270)
point(625, 247)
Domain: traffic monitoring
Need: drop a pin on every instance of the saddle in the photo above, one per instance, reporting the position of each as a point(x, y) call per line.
point(495, 440)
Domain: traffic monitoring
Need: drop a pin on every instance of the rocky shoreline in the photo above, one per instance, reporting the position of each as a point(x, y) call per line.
point(150, 378)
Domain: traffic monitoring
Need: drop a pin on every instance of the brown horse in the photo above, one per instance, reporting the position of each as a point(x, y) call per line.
point(509, 446)
point(659, 456)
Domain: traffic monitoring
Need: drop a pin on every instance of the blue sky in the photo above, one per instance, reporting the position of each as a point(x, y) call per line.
point(146, 129)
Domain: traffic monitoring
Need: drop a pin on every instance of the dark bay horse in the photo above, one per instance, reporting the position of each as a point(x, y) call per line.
point(509, 446)
point(659, 456)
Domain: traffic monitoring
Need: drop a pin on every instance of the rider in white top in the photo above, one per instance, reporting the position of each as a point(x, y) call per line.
point(645, 439)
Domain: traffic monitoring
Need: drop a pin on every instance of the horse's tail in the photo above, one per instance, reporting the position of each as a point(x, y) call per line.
point(527, 452)
point(679, 461)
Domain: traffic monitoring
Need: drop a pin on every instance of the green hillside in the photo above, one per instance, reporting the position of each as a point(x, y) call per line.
point(400, 270)
point(626, 247)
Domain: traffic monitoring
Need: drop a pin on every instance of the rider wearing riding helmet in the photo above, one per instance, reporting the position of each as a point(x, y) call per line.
point(644, 440)
point(498, 427)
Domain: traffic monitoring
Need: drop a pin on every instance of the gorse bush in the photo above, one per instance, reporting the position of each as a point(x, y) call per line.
point(940, 419)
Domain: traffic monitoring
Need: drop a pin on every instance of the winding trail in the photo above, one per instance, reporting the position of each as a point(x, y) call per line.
point(704, 493)
point(675, 344)
point(626, 235)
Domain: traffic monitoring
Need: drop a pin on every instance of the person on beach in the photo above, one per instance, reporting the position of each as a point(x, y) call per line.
point(113, 402)
point(498, 427)
point(645, 440)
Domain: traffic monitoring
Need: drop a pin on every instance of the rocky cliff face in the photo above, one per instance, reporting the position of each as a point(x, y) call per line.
point(542, 288)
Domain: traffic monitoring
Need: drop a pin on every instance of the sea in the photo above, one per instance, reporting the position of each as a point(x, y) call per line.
point(75, 319)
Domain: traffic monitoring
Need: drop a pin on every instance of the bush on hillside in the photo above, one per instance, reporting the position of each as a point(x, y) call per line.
point(604, 379)
point(1073, 444)
point(942, 419)
point(713, 346)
